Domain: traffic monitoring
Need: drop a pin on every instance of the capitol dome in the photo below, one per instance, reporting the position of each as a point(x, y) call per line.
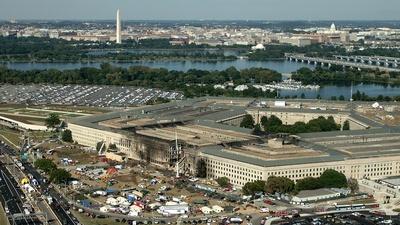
point(333, 27)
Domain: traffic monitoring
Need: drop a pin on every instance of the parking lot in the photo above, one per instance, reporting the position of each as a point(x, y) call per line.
point(88, 95)
point(353, 218)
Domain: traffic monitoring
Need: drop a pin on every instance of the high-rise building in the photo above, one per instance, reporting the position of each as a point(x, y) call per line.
point(118, 29)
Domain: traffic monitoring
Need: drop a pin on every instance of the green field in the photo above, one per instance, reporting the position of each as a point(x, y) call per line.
point(12, 135)
point(3, 217)
point(37, 114)
point(86, 220)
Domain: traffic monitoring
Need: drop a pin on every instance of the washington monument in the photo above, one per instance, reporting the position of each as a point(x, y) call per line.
point(118, 29)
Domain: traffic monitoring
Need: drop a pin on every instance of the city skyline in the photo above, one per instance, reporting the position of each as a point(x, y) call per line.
point(193, 10)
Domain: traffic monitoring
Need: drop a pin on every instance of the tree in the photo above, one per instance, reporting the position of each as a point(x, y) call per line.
point(201, 169)
point(59, 176)
point(257, 130)
point(272, 124)
point(223, 182)
point(346, 125)
point(353, 185)
point(112, 146)
point(264, 121)
point(250, 188)
point(308, 183)
point(45, 164)
point(333, 179)
point(279, 184)
point(52, 120)
point(274, 121)
point(247, 122)
point(66, 136)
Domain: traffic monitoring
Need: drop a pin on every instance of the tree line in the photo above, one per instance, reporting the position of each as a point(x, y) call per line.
point(361, 96)
point(55, 50)
point(330, 178)
point(193, 82)
point(56, 175)
point(273, 124)
point(336, 74)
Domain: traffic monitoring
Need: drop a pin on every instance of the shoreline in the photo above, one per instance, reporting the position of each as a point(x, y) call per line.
point(140, 60)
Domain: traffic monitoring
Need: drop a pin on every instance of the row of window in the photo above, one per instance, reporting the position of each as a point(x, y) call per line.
point(231, 168)
point(305, 172)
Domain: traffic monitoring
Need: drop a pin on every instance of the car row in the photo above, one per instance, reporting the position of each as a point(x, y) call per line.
point(89, 95)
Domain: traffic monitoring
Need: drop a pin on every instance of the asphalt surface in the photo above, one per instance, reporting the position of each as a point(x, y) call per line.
point(345, 218)
point(11, 197)
point(94, 95)
point(59, 205)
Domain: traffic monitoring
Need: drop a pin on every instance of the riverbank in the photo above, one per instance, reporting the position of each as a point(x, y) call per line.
point(105, 60)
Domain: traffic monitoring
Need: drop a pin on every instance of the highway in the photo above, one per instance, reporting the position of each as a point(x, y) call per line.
point(12, 198)
point(59, 203)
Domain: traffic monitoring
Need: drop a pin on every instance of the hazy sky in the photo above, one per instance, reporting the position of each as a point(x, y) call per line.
point(202, 9)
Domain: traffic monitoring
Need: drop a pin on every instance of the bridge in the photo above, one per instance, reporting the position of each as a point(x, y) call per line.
point(360, 62)
point(371, 60)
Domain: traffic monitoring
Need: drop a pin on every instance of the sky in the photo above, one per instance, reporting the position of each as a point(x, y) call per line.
point(201, 9)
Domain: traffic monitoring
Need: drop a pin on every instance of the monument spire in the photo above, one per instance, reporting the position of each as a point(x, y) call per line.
point(118, 29)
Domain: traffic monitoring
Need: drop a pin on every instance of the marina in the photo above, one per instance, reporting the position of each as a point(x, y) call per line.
point(290, 84)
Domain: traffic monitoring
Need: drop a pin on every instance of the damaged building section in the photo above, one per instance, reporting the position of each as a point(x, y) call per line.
point(176, 135)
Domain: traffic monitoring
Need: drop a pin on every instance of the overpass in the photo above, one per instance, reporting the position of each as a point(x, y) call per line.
point(390, 66)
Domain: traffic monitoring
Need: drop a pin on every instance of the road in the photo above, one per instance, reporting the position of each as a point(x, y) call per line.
point(12, 197)
point(59, 203)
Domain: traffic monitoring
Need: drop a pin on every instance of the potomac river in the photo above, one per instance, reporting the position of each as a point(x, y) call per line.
point(282, 66)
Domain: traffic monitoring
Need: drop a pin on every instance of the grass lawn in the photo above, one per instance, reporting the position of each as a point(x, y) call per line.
point(41, 135)
point(3, 217)
point(11, 135)
point(24, 119)
point(86, 220)
point(72, 109)
point(359, 201)
point(77, 155)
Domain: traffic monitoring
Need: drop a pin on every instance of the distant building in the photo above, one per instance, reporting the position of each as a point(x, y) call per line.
point(333, 28)
point(258, 47)
point(297, 41)
point(179, 40)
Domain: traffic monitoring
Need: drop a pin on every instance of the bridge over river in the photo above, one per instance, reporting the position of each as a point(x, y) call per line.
point(361, 62)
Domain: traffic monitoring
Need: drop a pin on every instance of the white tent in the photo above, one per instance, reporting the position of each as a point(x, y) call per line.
point(133, 213)
point(375, 105)
point(112, 201)
point(105, 208)
point(217, 209)
point(135, 208)
point(206, 210)
point(121, 200)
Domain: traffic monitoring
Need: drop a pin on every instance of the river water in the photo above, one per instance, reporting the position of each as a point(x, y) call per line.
point(327, 91)
point(280, 66)
point(284, 67)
